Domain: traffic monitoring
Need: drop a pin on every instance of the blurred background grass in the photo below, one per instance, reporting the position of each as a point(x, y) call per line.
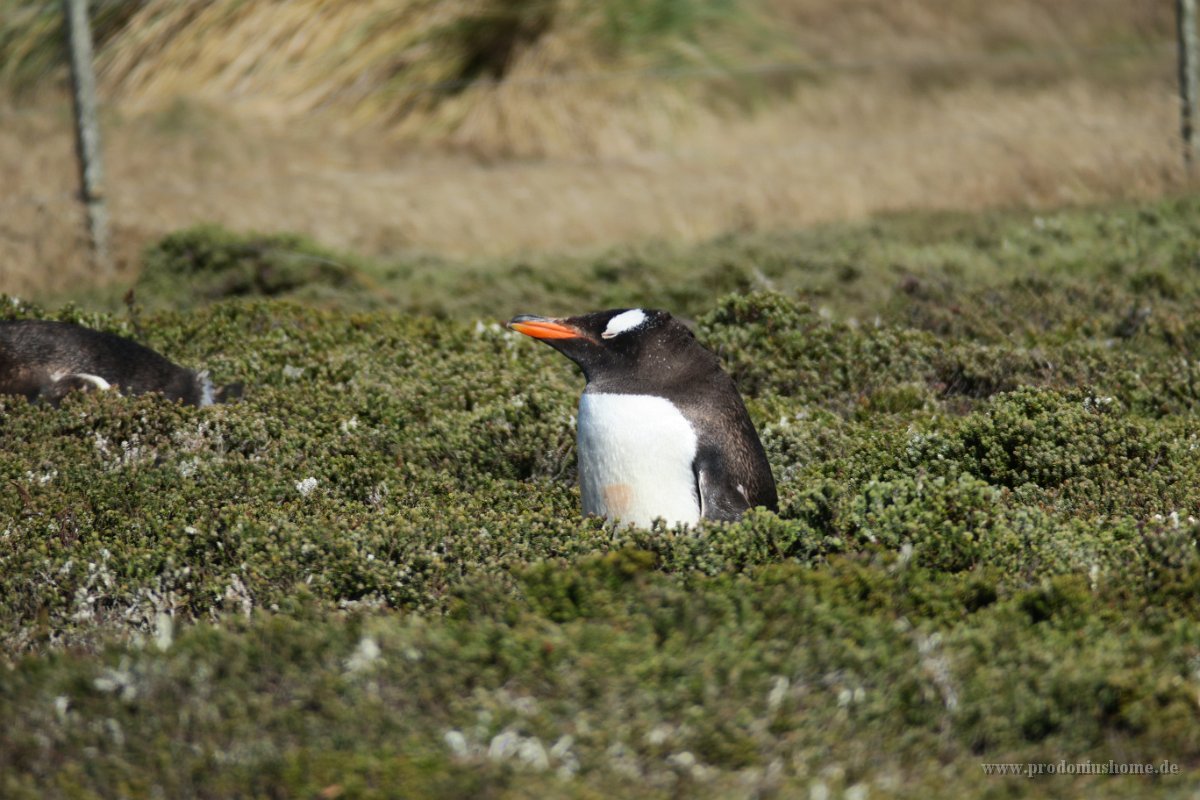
point(509, 127)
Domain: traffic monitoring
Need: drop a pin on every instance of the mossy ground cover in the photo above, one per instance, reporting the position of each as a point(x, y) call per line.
point(369, 577)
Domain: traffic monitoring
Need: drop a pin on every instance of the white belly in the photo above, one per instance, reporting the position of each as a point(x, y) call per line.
point(635, 459)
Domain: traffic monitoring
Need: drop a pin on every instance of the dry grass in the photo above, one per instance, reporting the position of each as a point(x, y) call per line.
point(273, 134)
point(414, 69)
point(400, 66)
point(918, 28)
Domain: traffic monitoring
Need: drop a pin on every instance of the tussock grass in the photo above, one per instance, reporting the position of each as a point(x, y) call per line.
point(462, 71)
point(33, 39)
point(430, 71)
point(369, 576)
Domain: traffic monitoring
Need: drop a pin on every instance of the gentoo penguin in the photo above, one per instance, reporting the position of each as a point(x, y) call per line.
point(45, 360)
point(662, 431)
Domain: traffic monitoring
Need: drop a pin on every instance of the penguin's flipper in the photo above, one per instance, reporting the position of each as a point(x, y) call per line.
point(720, 498)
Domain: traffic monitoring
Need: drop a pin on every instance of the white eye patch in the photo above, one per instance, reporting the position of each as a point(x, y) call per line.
point(625, 321)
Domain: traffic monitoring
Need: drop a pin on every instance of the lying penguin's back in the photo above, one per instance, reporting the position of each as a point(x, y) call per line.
point(36, 355)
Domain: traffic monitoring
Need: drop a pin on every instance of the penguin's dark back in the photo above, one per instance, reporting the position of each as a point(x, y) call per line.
point(726, 432)
point(29, 348)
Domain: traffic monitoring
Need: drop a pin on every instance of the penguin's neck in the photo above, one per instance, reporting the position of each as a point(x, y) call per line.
point(636, 456)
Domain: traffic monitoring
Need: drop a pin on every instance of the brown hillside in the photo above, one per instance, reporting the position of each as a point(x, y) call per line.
point(383, 126)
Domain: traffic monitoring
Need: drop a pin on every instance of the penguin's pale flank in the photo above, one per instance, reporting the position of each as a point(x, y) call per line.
point(662, 431)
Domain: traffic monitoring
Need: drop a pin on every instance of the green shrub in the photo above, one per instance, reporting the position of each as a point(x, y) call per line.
point(945, 523)
point(371, 571)
point(206, 264)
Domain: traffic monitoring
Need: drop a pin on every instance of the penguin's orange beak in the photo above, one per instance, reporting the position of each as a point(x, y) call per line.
point(543, 328)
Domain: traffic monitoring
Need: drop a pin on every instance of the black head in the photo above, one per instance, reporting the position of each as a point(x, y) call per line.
point(622, 345)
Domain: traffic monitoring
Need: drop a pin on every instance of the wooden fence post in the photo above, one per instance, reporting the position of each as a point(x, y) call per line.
point(87, 131)
point(1185, 21)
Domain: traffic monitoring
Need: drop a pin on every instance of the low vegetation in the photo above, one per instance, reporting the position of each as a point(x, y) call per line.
point(369, 577)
